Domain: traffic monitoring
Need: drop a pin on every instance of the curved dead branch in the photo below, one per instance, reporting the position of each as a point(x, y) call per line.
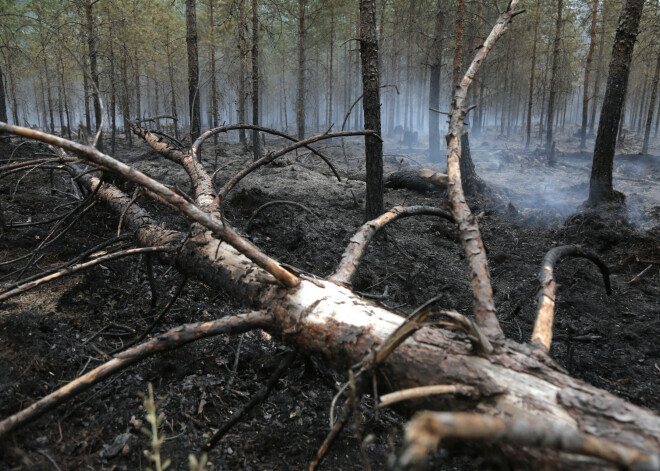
point(475, 253)
point(271, 203)
point(545, 311)
point(222, 231)
point(170, 340)
point(205, 135)
point(274, 155)
point(358, 244)
point(425, 391)
point(426, 429)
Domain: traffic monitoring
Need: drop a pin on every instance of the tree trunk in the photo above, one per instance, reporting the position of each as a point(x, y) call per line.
point(242, 47)
point(193, 71)
point(256, 144)
point(642, 102)
point(587, 71)
point(434, 86)
point(476, 126)
point(170, 70)
point(371, 106)
point(330, 68)
point(214, 86)
point(596, 96)
point(554, 77)
point(12, 88)
point(531, 75)
point(394, 72)
point(458, 44)
point(125, 97)
point(300, 97)
point(600, 185)
point(654, 97)
point(88, 121)
point(3, 100)
point(113, 92)
point(93, 71)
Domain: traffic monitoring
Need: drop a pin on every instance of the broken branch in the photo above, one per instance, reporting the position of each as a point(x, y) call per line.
point(170, 340)
point(545, 311)
point(358, 244)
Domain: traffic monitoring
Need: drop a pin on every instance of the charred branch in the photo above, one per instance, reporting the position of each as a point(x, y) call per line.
point(545, 310)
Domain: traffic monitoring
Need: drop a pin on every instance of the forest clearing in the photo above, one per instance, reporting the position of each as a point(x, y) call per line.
point(253, 249)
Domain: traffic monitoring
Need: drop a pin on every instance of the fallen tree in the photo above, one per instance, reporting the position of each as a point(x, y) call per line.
point(567, 423)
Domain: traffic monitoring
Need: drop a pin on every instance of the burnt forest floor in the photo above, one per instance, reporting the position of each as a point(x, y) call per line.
point(51, 334)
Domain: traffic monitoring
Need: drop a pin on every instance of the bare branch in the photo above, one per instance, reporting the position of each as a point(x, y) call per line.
point(354, 252)
point(170, 340)
point(545, 310)
point(424, 391)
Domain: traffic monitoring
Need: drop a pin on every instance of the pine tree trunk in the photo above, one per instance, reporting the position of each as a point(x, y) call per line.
point(123, 65)
point(434, 86)
point(88, 120)
point(214, 85)
point(170, 70)
point(330, 68)
point(3, 100)
point(587, 72)
point(371, 106)
point(642, 103)
point(242, 45)
point(554, 77)
point(458, 44)
point(531, 75)
point(256, 145)
point(193, 71)
point(394, 71)
point(113, 93)
point(300, 97)
point(12, 88)
point(93, 70)
point(66, 98)
point(654, 97)
point(600, 187)
point(596, 96)
point(476, 127)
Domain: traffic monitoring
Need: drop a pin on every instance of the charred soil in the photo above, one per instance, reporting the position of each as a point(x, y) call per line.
point(50, 335)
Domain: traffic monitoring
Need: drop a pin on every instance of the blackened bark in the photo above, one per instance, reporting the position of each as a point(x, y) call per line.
point(193, 70)
point(434, 87)
point(300, 98)
point(476, 126)
point(3, 101)
point(256, 146)
point(554, 77)
point(242, 47)
point(600, 187)
point(371, 107)
point(123, 66)
point(654, 97)
point(214, 87)
point(93, 70)
point(531, 76)
point(587, 72)
point(458, 43)
point(596, 95)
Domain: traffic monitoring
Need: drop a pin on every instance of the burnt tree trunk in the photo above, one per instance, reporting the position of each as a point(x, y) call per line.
point(193, 70)
point(371, 107)
point(93, 70)
point(458, 43)
point(300, 97)
point(554, 77)
point(123, 65)
point(531, 75)
point(434, 87)
point(242, 47)
point(476, 126)
point(214, 86)
point(600, 185)
point(3, 100)
point(642, 101)
point(654, 97)
point(599, 67)
point(587, 72)
point(256, 145)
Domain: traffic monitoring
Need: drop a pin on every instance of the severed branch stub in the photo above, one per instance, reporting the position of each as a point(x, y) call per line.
point(424, 432)
point(545, 311)
point(358, 244)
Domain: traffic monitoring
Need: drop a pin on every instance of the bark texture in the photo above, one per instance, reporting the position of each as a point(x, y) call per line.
point(434, 86)
point(554, 77)
point(371, 107)
point(600, 185)
point(193, 70)
point(654, 97)
point(587, 73)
